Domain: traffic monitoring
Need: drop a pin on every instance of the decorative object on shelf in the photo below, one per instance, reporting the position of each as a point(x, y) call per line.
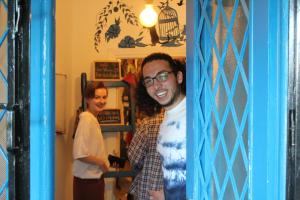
point(106, 70)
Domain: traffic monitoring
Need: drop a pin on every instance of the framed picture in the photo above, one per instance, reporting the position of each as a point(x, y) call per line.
point(110, 116)
point(106, 70)
point(128, 65)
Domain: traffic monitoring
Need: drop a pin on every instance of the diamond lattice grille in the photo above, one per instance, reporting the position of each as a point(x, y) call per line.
point(3, 100)
point(222, 50)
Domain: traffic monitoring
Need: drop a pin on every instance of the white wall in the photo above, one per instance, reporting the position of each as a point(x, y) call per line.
point(75, 28)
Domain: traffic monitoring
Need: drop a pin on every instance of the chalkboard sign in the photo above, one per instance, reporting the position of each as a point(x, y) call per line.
point(110, 116)
point(107, 70)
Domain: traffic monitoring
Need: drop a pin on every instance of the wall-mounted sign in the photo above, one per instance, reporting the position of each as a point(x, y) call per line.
point(110, 116)
point(107, 70)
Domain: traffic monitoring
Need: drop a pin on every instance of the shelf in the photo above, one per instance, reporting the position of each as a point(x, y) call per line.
point(113, 174)
point(116, 128)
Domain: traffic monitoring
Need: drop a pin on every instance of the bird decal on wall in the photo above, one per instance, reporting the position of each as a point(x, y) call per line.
point(180, 3)
point(111, 9)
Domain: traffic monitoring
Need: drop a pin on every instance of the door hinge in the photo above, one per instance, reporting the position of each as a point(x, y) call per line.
point(292, 127)
point(10, 120)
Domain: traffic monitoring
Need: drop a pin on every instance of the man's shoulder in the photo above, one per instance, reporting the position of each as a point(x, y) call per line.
point(156, 119)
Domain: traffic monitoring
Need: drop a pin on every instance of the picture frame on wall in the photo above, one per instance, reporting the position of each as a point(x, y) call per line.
point(106, 70)
point(128, 65)
point(110, 116)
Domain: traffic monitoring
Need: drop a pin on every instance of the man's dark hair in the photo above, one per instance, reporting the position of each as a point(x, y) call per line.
point(162, 56)
point(145, 103)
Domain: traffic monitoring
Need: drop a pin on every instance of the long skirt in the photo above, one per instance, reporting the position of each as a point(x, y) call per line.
point(88, 189)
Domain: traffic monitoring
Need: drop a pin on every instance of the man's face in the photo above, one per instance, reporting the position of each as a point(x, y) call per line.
point(166, 86)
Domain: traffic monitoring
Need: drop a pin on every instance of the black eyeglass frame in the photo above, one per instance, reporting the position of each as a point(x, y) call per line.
point(157, 78)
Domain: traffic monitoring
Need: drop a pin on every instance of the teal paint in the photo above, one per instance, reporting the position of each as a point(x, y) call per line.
point(269, 98)
point(42, 96)
point(260, 141)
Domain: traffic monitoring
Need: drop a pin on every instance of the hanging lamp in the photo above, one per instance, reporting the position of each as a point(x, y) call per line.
point(148, 17)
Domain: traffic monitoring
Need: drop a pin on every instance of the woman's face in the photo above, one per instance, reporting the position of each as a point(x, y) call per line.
point(96, 104)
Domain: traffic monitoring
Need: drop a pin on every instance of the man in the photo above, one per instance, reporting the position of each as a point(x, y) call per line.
point(163, 81)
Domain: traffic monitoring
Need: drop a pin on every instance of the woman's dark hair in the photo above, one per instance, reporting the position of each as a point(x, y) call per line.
point(91, 86)
point(145, 103)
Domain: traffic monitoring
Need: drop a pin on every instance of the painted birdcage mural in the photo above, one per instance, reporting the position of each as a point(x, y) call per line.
point(168, 24)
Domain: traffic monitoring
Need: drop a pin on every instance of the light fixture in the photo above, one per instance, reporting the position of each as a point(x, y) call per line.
point(148, 17)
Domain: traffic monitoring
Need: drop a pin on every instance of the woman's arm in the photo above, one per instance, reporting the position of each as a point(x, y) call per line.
point(95, 161)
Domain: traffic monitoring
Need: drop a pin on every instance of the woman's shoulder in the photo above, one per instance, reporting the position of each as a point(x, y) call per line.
point(87, 116)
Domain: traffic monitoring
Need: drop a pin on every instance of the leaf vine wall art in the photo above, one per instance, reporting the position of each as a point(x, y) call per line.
point(114, 29)
point(116, 16)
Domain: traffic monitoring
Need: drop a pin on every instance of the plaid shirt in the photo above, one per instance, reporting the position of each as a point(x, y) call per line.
point(145, 159)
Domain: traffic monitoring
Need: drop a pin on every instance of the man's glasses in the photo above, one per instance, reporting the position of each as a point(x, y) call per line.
point(160, 77)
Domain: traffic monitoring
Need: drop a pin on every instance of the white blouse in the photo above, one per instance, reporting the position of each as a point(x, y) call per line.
point(88, 141)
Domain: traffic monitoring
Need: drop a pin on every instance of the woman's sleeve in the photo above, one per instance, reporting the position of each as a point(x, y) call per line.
point(80, 146)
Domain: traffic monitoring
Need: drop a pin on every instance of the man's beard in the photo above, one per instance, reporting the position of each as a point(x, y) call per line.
point(174, 98)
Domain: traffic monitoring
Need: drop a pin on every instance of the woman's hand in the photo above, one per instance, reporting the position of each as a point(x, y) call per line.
point(103, 166)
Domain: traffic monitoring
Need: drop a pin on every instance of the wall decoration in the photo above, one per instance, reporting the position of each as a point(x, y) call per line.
point(128, 66)
point(113, 31)
point(168, 24)
point(129, 42)
point(109, 10)
point(110, 116)
point(106, 70)
point(126, 32)
point(180, 3)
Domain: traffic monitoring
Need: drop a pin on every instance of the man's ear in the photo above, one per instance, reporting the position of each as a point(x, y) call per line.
point(179, 77)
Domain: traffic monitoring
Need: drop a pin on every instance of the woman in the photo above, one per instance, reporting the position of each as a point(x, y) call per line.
point(90, 157)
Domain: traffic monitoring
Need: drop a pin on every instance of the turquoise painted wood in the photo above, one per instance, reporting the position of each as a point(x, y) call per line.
point(42, 109)
point(236, 56)
point(269, 44)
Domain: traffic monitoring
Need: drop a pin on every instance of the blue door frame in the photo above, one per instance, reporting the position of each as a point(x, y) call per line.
point(269, 40)
point(42, 97)
point(268, 33)
point(268, 63)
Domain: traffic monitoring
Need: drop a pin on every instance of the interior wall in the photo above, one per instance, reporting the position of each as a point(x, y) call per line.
point(75, 53)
